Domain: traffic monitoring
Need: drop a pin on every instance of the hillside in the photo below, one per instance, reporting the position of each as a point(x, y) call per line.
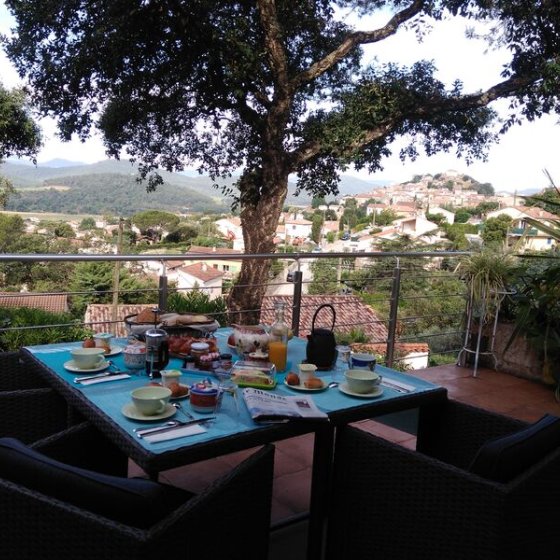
point(93, 188)
point(111, 193)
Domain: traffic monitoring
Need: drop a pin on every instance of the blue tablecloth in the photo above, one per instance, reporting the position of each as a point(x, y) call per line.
point(112, 396)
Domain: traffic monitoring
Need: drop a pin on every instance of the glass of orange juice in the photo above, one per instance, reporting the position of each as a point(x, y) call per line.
point(278, 354)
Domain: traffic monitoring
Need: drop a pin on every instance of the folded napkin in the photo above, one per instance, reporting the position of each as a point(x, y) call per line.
point(399, 384)
point(175, 433)
point(104, 379)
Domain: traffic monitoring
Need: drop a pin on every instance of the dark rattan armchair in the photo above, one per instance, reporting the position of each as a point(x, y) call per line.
point(396, 503)
point(229, 520)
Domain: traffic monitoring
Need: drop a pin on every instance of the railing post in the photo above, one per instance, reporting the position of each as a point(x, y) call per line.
point(296, 309)
point(393, 313)
point(162, 288)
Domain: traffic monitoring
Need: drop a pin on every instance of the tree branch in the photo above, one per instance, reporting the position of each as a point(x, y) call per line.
point(355, 39)
point(430, 108)
point(273, 43)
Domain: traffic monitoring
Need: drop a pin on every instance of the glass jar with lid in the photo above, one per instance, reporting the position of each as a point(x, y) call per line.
point(199, 349)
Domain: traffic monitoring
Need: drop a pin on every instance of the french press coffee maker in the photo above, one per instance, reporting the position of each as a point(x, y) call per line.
point(157, 352)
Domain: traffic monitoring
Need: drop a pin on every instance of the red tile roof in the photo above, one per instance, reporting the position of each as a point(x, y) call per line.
point(99, 315)
point(207, 250)
point(55, 303)
point(351, 313)
point(202, 271)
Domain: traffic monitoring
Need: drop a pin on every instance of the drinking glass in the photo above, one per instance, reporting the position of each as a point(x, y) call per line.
point(342, 362)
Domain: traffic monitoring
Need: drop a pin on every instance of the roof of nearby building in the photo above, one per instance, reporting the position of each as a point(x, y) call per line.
point(207, 250)
point(98, 314)
point(351, 313)
point(55, 303)
point(299, 222)
point(202, 271)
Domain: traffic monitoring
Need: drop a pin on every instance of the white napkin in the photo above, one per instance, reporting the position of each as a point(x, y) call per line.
point(175, 433)
point(104, 379)
point(400, 384)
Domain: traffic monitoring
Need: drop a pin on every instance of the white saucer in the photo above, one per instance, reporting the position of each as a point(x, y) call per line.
point(306, 389)
point(71, 366)
point(377, 392)
point(130, 411)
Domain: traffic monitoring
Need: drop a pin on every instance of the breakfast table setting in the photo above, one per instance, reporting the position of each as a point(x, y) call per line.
point(187, 415)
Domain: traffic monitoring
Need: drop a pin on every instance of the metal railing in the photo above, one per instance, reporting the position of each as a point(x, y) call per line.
point(382, 284)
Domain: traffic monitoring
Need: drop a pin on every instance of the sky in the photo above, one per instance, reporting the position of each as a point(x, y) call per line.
point(517, 162)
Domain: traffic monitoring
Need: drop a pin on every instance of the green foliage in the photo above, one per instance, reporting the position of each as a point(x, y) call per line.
point(386, 217)
point(272, 88)
point(462, 216)
point(316, 227)
point(152, 223)
point(331, 237)
point(488, 274)
point(355, 335)
point(87, 224)
point(456, 233)
point(494, 232)
point(182, 233)
point(537, 303)
point(324, 277)
point(19, 134)
point(93, 282)
point(196, 301)
point(110, 193)
point(24, 317)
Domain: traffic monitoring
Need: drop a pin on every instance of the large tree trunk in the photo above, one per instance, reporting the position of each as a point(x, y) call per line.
point(259, 219)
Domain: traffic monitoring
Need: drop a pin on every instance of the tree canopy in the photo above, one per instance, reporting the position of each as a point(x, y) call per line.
point(273, 87)
point(19, 135)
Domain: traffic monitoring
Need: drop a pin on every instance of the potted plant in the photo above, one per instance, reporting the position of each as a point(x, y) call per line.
point(487, 274)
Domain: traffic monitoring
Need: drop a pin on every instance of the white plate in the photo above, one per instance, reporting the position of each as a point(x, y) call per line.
point(130, 411)
point(377, 392)
point(306, 389)
point(71, 366)
point(115, 349)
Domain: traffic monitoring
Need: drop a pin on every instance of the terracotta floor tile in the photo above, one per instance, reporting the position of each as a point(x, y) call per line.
point(382, 430)
point(292, 490)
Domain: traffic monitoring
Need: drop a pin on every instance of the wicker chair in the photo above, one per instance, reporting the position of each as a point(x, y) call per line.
point(16, 373)
point(397, 503)
point(229, 520)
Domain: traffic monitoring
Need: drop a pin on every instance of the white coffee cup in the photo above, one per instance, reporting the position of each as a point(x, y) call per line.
point(88, 358)
point(103, 340)
point(306, 372)
point(151, 400)
point(362, 380)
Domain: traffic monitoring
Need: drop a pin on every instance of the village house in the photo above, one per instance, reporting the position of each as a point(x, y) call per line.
point(522, 232)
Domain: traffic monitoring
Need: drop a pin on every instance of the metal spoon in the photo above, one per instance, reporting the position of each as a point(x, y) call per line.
point(181, 409)
point(332, 384)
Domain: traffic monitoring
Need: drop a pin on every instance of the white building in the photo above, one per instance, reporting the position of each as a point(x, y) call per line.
point(198, 275)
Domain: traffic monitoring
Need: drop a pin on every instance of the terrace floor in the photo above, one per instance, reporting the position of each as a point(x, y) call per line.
point(491, 390)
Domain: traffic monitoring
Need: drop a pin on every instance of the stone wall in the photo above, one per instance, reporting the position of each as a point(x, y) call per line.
point(519, 359)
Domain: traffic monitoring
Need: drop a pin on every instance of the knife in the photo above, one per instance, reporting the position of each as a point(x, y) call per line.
point(97, 376)
point(163, 429)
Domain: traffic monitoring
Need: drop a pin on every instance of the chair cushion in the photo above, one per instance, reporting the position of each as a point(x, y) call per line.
point(133, 501)
point(504, 458)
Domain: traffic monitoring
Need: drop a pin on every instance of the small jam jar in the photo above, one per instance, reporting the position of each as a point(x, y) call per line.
point(204, 397)
point(135, 356)
point(226, 361)
point(199, 349)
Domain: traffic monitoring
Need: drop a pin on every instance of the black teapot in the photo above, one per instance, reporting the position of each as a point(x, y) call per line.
point(321, 343)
